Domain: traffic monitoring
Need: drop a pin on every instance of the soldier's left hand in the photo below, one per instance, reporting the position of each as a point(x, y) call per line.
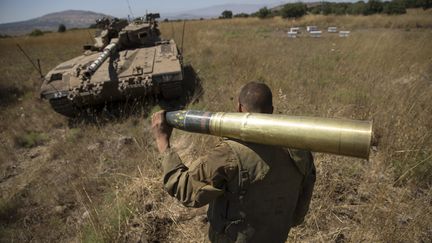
point(161, 131)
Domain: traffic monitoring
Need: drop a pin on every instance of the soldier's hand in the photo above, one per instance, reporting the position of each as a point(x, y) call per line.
point(161, 131)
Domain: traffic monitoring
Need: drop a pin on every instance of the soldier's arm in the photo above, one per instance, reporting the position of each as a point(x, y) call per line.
point(202, 184)
point(306, 193)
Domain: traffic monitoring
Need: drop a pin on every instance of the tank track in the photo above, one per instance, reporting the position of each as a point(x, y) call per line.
point(64, 106)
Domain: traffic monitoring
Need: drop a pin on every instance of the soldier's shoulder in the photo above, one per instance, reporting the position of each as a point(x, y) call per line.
point(221, 155)
point(224, 146)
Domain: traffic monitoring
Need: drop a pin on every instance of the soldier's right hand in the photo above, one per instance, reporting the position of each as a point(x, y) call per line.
point(161, 131)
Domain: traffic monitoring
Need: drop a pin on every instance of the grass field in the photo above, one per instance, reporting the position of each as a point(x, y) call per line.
point(67, 180)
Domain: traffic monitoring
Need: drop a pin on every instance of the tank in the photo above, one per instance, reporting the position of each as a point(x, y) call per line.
point(128, 61)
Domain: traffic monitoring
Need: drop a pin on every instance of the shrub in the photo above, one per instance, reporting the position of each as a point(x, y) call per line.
point(241, 15)
point(293, 10)
point(36, 32)
point(264, 13)
point(357, 8)
point(61, 28)
point(395, 7)
point(226, 14)
point(373, 7)
point(425, 4)
point(30, 139)
point(315, 10)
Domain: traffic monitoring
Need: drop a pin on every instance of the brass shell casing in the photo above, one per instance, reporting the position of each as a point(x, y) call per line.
point(336, 136)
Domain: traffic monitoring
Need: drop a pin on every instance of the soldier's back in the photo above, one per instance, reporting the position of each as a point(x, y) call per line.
point(260, 203)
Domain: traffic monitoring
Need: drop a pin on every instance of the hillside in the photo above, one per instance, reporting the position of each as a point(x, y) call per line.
point(98, 178)
point(213, 11)
point(70, 18)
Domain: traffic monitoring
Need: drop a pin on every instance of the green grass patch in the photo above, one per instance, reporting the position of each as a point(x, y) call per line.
point(74, 134)
point(417, 167)
point(30, 139)
point(107, 224)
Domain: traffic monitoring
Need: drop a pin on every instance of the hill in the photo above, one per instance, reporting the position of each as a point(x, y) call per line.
point(215, 11)
point(50, 22)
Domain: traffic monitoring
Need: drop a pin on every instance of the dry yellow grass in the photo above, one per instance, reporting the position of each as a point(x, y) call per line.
point(87, 182)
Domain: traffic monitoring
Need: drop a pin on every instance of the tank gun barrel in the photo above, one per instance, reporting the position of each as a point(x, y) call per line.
point(94, 66)
point(336, 136)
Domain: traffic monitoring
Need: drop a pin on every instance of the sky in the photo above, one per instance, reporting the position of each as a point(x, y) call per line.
point(18, 10)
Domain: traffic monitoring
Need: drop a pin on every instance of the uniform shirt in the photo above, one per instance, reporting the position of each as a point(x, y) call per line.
point(205, 182)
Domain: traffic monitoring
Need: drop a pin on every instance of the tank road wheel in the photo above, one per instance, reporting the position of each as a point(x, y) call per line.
point(64, 106)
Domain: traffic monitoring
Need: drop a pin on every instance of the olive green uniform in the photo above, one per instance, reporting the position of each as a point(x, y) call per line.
point(256, 192)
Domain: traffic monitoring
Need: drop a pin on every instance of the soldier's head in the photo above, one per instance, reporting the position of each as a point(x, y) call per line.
point(255, 97)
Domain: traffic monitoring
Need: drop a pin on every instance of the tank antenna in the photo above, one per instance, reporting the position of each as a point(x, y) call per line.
point(31, 61)
point(130, 9)
point(184, 24)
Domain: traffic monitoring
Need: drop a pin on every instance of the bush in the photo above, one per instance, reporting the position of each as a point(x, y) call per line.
point(425, 4)
point(326, 8)
point(373, 7)
point(315, 10)
point(412, 3)
point(241, 15)
point(61, 28)
point(226, 14)
point(394, 7)
point(357, 8)
point(293, 10)
point(264, 13)
point(36, 32)
point(340, 8)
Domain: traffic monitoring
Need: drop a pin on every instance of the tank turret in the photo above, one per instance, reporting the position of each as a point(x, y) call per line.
point(128, 60)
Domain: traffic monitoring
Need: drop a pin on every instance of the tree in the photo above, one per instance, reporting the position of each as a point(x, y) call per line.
point(315, 10)
point(395, 7)
point(412, 3)
point(425, 4)
point(373, 7)
point(357, 8)
point(293, 10)
point(61, 28)
point(264, 13)
point(227, 14)
point(326, 8)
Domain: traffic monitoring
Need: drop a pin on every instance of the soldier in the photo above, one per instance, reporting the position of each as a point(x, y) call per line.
point(255, 192)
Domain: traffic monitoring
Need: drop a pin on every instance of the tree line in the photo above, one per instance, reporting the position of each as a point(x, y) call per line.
point(295, 10)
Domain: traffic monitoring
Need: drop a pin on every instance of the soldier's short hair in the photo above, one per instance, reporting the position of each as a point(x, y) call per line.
point(256, 97)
